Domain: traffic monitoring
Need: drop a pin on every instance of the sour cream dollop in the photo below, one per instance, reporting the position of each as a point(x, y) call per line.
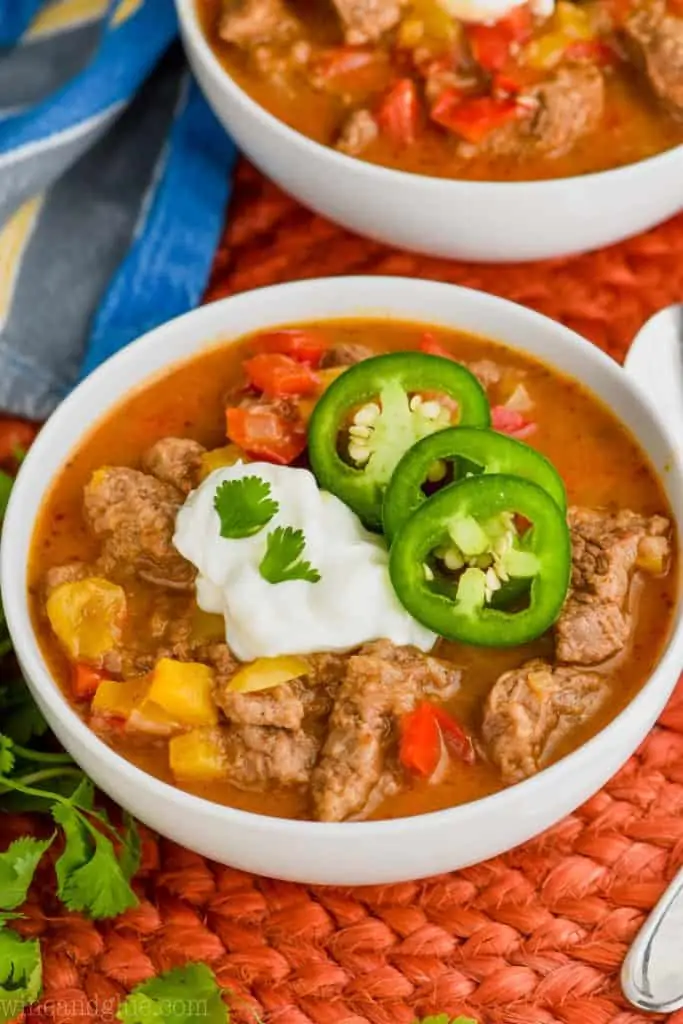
point(352, 603)
point(488, 12)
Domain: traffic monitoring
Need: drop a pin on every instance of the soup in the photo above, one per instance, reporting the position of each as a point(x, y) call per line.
point(549, 90)
point(477, 576)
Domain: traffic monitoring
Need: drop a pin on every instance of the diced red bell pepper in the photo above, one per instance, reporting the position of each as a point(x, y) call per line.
point(304, 345)
point(84, 680)
point(594, 50)
point(278, 375)
point(509, 421)
point(265, 433)
point(457, 740)
point(473, 118)
point(398, 114)
point(432, 347)
point(490, 44)
point(16, 436)
point(490, 47)
point(420, 741)
point(421, 732)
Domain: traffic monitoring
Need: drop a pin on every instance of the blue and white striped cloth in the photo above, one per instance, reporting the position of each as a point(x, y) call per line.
point(114, 178)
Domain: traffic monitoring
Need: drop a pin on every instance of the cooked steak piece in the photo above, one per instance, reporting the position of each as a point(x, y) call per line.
point(530, 710)
point(133, 515)
point(176, 461)
point(290, 704)
point(250, 23)
point(654, 40)
point(346, 353)
point(607, 548)
point(260, 757)
point(365, 21)
point(382, 683)
point(559, 112)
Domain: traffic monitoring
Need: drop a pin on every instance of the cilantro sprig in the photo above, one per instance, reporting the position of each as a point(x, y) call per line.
point(185, 995)
point(445, 1018)
point(244, 506)
point(91, 875)
point(282, 560)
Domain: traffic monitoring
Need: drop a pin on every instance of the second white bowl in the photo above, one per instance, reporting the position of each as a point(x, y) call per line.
point(470, 220)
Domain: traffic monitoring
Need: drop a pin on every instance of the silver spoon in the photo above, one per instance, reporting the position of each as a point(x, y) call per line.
point(652, 974)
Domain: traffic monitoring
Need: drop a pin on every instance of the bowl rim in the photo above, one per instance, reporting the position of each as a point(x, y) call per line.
point(14, 567)
point(380, 174)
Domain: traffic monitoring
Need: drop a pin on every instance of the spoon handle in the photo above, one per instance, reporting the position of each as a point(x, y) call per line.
point(652, 974)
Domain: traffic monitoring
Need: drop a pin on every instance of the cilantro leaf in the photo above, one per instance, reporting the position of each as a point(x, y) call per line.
point(185, 995)
point(282, 560)
point(244, 506)
point(89, 877)
point(17, 867)
point(6, 755)
point(444, 1018)
point(132, 849)
point(21, 974)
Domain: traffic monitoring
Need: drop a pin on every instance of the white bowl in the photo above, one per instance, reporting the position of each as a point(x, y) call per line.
point(344, 854)
point(469, 220)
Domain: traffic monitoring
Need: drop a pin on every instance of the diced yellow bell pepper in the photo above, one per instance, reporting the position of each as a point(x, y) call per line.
point(439, 24)
point(411, 33)
point(572, 21)
point(197, 756)
point(219, 458)
point(152, 720)
point(86, 616)
point(119, 698)
point(184, 689)
point(546, 51)
point(264, 673)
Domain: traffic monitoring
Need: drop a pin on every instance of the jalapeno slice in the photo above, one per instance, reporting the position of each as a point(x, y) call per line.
point(451, 557)
point(484, 451)
point(375, 411)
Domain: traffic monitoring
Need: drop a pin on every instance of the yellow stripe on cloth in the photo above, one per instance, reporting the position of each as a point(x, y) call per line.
point(14, 239)
point(126, 10)
point(63, 15)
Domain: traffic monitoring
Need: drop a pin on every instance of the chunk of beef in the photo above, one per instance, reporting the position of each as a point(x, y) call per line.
point(532, 709)
point(133, 514)
point(607, 548)
point(259, 757)
point(359, 131)
point(654, 40)
point(345, 354)
point(69, 573)
point(175, 461)
point(365, 21)
point(559, 111)
point(382, 682)
point(289, 705)
point(249, 23)
point(221, 659)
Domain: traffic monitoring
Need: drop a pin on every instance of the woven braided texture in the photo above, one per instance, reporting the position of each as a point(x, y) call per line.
point(535, 937)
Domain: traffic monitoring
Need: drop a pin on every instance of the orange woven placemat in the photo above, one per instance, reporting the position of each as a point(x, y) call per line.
point(534, 937)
